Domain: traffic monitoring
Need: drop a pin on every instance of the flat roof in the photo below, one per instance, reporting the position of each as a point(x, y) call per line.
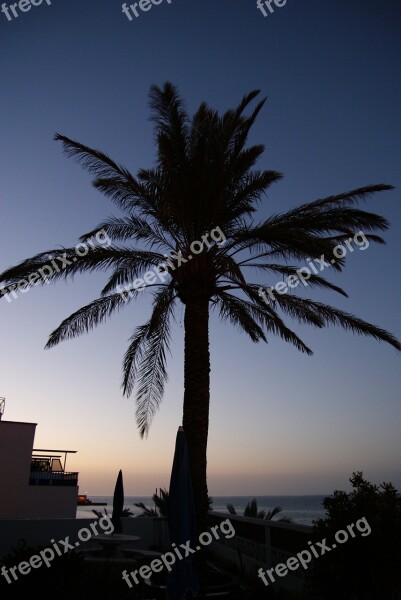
point(46, 450)
point(18, 422)
point(47, 456)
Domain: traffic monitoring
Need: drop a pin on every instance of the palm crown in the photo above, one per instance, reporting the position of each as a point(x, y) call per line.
point(204, 178)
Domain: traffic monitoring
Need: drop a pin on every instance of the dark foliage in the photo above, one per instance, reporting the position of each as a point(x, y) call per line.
point(367, 566)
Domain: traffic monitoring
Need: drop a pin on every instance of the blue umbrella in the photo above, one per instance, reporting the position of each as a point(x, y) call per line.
point(118, 504)
point(181, 521)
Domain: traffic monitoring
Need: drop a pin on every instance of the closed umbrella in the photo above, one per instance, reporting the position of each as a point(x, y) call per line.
point(118, 504)
point(182, 581)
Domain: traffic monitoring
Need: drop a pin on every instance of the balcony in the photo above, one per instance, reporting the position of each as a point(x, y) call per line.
point(49, 478)
point(46, 469)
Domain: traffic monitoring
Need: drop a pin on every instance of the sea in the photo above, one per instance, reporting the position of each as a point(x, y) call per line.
point(301, 509)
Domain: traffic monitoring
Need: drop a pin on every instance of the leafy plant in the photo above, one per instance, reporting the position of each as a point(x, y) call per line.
point(127, 512)
point(366, 566)
point(161, 500)
point(251, 510)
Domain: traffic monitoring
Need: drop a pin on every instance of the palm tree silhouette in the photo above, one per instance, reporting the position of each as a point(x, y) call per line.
point(204, 179)
point(160, 500)
point(252, 510)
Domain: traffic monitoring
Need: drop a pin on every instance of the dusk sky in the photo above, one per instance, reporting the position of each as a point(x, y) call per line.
point(281, 422)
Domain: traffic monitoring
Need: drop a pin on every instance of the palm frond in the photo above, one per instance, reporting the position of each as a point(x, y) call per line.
point(313, 280)
point(56, 264)
point(112, 179)
point(145, 359)
point(345, 198)
point(273, 512)
point(269, 318)
point(231, 509)
point(88, 317)
point(238, 312)
point(270, 240)
point(130, 228)
point(312, 312)
point(94, 161)
point(171, 125)
point(333, 316)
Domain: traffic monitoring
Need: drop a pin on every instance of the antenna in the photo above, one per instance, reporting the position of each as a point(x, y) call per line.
point(2, 406)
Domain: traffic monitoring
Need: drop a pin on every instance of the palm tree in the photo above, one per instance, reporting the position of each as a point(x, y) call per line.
point(251, 510)
point(127, 512)
point(161, 500)
point(161, 503)
point(204, 179)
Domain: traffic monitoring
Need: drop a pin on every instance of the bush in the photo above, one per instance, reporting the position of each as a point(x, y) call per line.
point(366, 566)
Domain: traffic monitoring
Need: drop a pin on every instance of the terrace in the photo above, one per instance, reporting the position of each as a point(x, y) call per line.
point(47, 469)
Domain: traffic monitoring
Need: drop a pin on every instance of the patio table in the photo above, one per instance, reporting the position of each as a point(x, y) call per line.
point(111, 543)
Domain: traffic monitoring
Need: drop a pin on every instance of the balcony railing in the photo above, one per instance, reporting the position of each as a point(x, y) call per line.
point(53, 478)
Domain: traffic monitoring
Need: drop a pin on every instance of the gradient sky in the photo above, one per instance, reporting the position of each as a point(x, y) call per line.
point(280, 422)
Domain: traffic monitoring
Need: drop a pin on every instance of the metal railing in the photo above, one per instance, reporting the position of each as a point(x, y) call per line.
point(53, 478)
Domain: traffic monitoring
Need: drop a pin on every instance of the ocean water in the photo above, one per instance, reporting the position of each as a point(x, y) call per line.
point(302, 509)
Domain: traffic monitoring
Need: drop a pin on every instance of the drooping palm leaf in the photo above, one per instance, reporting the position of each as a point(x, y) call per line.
point(88, 317)
point(145, 359)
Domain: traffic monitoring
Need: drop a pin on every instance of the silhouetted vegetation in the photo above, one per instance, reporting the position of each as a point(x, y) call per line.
point(160, 501)
point(367, 566)
point(252, 510)
point(127, 512)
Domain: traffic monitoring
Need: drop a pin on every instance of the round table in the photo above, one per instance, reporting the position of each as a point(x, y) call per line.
point(113, 541)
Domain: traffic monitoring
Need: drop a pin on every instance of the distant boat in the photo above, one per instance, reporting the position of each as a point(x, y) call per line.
point(83, 500)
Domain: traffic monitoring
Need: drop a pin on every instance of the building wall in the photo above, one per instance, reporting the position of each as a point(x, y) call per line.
point(16, 443)
point(18, 499)
point(48, 502)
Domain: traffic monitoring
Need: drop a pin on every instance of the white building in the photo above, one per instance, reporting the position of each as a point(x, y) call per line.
point(33, 482)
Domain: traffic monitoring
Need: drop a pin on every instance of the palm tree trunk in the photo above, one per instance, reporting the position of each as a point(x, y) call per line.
point(196, 399)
